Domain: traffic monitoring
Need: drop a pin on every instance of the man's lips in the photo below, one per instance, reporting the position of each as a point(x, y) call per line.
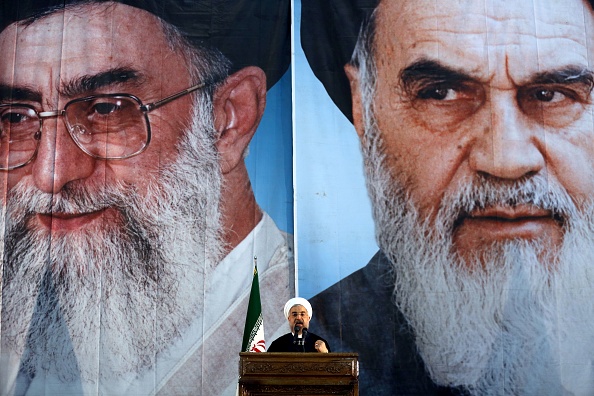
point(507, 222)
point(512, 213)
point(60, 221)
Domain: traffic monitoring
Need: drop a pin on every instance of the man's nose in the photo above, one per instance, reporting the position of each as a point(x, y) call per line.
point(510, 144)
point(59, 160)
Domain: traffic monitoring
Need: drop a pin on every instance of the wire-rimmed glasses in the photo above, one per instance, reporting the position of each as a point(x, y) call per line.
point(108, 127)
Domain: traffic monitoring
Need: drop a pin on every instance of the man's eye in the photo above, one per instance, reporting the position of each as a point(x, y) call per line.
point(548, 95)
point(556, 94)
point(14, 118)
point(106, 108)
point(554, 105)
point(441, 105)
point(438, 93)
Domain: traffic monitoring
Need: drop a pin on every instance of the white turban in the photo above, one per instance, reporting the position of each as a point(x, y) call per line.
point(297, 301)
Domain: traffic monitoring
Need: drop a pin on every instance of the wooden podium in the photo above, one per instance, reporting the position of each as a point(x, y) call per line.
point(302, 374)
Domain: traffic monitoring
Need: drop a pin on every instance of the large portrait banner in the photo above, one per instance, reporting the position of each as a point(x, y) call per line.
point(130, 224)
point(475, 126)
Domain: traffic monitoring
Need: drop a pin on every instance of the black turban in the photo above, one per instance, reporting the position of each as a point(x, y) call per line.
point(248, 32)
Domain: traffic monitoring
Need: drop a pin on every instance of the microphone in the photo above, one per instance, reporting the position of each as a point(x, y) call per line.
point(303, 335)
point(296, 333)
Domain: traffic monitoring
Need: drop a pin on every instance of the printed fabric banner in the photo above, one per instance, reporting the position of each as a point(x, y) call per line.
point(475, 125)
point(132, 208)
point(415, 179)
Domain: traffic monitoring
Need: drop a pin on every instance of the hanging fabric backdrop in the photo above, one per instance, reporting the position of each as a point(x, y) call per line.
point(421, 171)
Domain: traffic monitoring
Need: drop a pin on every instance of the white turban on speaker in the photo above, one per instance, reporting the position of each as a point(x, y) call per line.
point(297, 301)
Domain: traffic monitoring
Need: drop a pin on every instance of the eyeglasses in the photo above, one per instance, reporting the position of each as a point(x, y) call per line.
point(106, 127)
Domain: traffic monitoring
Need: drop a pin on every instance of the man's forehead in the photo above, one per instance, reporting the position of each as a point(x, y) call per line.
point(468, 10)
point(298, 309)
point(112, 17)
point(84, 41)
point(470, 16)
point(486, 35)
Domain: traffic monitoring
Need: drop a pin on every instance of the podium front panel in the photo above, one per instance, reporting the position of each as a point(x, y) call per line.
point(303, 374)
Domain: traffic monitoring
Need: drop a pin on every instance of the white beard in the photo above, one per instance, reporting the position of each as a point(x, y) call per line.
point(103, 302)
point(520, 322)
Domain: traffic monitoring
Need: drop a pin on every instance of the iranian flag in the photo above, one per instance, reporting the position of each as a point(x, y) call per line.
point(253, 333)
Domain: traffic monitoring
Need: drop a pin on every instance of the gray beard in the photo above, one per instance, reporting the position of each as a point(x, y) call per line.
point(520, 322)
point(104, 302)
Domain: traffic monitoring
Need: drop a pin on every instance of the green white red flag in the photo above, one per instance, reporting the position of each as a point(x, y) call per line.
point(253, 332)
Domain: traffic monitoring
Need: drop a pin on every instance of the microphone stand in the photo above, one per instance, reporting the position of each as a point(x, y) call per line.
point(296, 335)
point(303, 336)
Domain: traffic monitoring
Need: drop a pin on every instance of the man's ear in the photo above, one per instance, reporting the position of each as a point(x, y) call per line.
point(353, 76)
point(238, 107)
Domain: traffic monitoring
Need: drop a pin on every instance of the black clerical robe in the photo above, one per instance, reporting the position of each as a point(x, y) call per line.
point(286, 343)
